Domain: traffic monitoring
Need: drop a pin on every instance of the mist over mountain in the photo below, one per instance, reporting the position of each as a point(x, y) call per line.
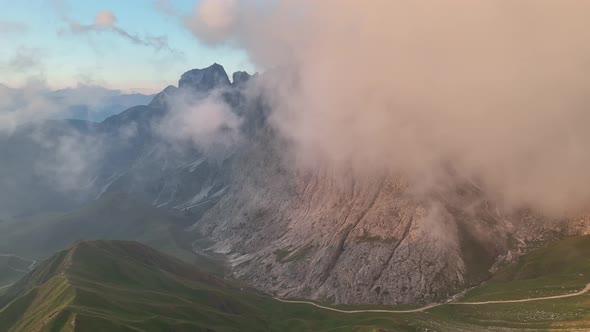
point(388, 155)
point(491, 91)
point(89, 103)
point(80, 103)
point(210, 150)
point(142, 150)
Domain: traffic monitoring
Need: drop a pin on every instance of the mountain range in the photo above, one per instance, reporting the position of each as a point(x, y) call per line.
point(84, 102)
point(231, 192)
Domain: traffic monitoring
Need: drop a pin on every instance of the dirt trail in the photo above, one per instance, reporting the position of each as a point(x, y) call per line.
point(361, 311)
point(430, 306)
point(585, 290)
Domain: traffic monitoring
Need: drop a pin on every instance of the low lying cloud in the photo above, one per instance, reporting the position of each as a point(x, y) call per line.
point(207, 122)
point(71, 160)
point(35, 102)
point(28, 103)
point(494, 91)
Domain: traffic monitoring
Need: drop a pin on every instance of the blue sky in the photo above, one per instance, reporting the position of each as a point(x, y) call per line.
point(36, 29)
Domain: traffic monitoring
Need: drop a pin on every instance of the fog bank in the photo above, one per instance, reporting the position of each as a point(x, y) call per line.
point(496, 91)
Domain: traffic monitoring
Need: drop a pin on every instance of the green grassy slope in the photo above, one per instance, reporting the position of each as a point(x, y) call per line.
point(556, 268)
point(127, 286)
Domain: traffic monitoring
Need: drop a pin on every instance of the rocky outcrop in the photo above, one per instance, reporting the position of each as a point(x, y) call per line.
point(204, 80)
point(240, 77)
point(357, 240)
point(315, 233)
point(318, 236)
point(324, 234)
point(345, 238)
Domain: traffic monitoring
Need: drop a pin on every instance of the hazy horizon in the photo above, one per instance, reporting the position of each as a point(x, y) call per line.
point(131, 46)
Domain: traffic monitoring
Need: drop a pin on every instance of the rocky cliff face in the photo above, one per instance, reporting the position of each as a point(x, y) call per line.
point(321, 233)
point(357, 240)
point(344, 238)
point(350, 241)
point(204, 80)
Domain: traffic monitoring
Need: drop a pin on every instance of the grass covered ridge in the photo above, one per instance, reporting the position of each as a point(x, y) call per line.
point(127, 286)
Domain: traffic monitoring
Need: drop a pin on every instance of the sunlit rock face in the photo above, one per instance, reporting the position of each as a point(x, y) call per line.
point(325, 235)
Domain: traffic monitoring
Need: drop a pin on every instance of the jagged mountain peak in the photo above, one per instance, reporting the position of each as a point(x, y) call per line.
point(240, 77)
point(205, 79)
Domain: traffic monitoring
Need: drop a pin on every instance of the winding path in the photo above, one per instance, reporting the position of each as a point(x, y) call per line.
point(430, 306)
point(585, 290)
point(6, 286)
point(361, 311)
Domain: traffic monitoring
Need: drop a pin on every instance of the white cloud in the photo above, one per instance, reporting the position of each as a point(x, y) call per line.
point(497, 91)
point(105, 19)
point(207, 122)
